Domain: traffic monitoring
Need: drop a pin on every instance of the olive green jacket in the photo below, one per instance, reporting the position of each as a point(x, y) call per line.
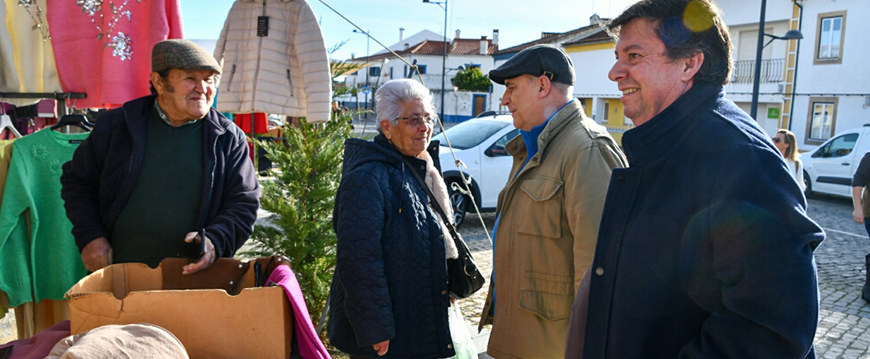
point(549, 213)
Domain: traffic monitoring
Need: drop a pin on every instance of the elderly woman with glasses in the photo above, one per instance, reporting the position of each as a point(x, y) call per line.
point(389, 294)
point(786, 142)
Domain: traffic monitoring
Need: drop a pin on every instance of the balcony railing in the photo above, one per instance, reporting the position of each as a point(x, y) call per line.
point(771, 71)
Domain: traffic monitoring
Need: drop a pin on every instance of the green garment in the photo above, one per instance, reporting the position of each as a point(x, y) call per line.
point(164, 205)
point(49, 262)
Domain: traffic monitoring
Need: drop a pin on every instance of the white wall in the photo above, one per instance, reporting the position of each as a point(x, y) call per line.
point(742, 12)
point(851, 77)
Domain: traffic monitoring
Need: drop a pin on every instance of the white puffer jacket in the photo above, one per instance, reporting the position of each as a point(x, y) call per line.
point(286, 72)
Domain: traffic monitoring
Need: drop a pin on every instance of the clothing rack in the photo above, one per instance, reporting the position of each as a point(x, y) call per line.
point(61, 105)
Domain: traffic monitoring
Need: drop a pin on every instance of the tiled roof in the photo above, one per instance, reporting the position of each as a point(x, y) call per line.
point(556, 38)
point(597, 37)
point(430, 47)
point(471, 47)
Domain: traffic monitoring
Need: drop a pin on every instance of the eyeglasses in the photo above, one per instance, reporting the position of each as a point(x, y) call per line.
point(416, 120)
point(775, 139)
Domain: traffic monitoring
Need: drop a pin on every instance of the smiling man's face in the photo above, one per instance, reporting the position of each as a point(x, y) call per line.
point(649, 80)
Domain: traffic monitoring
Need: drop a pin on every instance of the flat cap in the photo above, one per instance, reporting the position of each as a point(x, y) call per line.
point(183, 55)
point(536, 61)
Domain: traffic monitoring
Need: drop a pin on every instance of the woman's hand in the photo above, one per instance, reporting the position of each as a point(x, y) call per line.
point(382, 347)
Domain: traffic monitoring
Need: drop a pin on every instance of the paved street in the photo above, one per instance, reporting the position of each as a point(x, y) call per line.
point(845, 317)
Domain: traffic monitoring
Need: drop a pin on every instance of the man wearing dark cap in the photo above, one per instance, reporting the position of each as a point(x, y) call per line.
point(158, 173)
point(549, 210)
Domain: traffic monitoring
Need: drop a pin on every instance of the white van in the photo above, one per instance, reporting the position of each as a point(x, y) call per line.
point(829, 168)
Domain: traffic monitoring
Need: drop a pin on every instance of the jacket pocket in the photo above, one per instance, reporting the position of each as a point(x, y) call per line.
point(547, 296)
point(543, 216)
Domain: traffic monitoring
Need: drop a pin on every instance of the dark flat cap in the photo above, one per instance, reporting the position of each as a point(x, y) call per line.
point(536, 61)
point(183, 55)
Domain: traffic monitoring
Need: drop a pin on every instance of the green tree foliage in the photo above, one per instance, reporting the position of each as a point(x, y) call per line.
point(471, 79)
point(299, 193)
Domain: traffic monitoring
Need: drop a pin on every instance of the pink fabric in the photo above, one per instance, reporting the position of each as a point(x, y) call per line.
point(86, 64)
point(310, 346)
point(38, 346)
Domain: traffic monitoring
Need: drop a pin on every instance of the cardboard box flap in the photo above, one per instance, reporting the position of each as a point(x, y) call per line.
point(224, 273)
point(117, 280)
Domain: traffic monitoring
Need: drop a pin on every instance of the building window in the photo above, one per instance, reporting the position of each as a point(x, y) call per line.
point(829, 39)
point(471, 66)
point(606, 112)
point(822, 120)
point(421, 69)
point(375, 71)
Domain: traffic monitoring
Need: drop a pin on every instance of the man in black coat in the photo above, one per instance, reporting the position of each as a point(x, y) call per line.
point(705, 249)
point(165, 175)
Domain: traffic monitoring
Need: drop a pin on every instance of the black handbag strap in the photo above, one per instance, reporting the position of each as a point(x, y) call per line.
point(450, 226)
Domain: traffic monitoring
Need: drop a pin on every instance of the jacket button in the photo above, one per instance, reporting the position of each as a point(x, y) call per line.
point(443, 292)
point(620, 180)
point(599, 271)
point(449, 346)
point(422, 167)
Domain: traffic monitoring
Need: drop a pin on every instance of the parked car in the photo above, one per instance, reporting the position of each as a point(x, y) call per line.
point(479, 143)
point(829, 168)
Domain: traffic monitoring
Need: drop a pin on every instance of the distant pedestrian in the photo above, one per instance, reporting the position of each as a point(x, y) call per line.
point(705, 248)
point(786, 143)
point(549, 210)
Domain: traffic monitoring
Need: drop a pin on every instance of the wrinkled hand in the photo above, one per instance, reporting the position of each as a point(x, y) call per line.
point(382, 347)
point(207, 257)
point(97, 254)
point(858, 215)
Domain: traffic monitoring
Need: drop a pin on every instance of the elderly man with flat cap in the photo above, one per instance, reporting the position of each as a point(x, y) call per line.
point(165, 175)
point(549, 210)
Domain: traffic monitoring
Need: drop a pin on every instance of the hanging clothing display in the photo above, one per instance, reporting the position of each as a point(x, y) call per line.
point(25, 44)
point(280, 67)
point(48, 262)
point(104, 48)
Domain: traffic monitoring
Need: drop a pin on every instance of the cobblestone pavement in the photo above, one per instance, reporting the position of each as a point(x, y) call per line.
point(845, 317)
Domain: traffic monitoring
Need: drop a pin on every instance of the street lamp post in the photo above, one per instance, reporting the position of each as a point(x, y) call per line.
point(790, 35)
point(367, 62)
point(443, 56)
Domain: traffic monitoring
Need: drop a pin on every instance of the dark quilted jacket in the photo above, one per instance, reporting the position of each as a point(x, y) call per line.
point(390, 282)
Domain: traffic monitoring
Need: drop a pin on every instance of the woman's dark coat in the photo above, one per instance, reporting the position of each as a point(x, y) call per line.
point(390, 282)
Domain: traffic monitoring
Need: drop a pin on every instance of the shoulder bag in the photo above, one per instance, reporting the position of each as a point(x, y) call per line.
point(463, 276)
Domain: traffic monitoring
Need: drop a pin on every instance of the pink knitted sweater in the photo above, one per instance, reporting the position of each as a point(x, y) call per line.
point(106, 51)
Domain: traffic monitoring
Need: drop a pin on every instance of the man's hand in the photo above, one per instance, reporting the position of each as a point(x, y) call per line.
point(858, 215)
point(382, 347)
point(207, 257)
point(97, 254)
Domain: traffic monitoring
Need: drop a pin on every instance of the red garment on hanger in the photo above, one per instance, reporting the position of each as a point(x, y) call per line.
point(260, 122)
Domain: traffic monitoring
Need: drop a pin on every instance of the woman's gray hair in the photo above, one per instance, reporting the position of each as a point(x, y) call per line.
point(391, 94)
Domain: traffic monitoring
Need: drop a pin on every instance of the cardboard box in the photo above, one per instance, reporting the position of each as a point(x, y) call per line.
point(211, 323)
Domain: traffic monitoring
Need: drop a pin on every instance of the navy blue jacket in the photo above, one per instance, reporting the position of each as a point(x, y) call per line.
point(390, 281)
point(98, 181)
point(705, 249)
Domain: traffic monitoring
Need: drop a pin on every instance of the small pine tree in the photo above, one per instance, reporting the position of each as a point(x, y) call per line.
point(300, 196)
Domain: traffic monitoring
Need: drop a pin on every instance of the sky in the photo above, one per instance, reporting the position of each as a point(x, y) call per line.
point(518, 21)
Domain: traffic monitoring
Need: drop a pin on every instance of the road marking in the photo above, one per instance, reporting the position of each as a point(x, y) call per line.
point(846, 233)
